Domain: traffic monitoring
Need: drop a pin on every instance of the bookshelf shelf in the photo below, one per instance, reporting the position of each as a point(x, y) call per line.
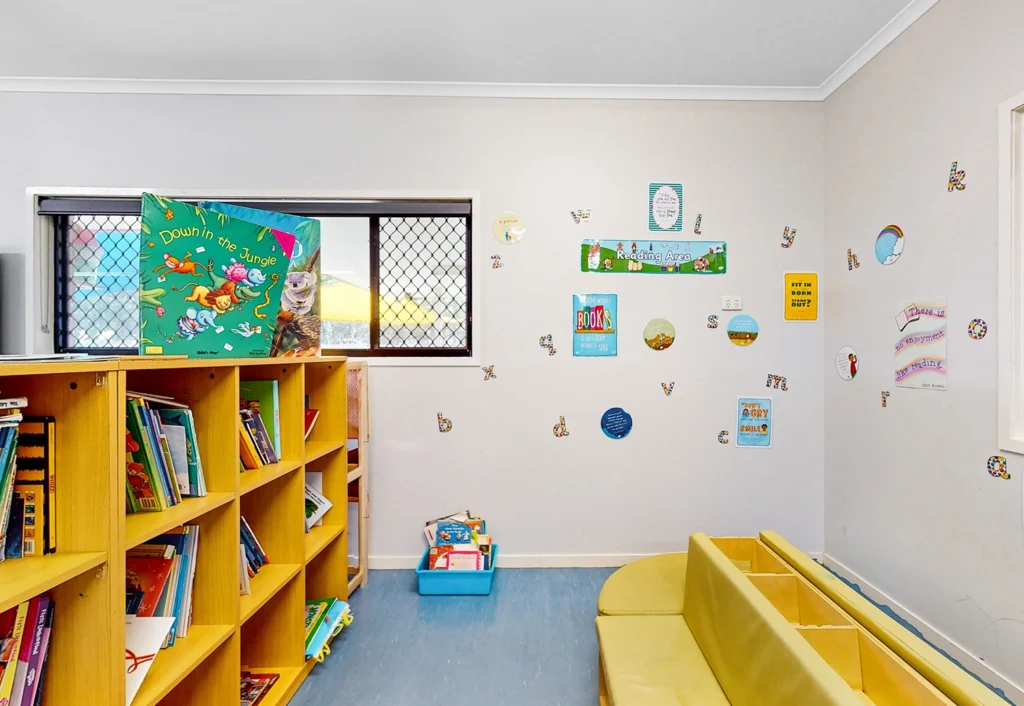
point(86, 577)
point(175, 663)
point(265, 585)
point(250, 480)
point(319, 537)
point(318, 449)
point(142, 526)
point(21, 579)
point(287, 684)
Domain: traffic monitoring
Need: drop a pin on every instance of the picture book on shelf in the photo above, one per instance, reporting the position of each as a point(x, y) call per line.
point(316, 506)
point(210, 285)
point(148, 575)
point(297, 328)
point(8, 445)
point(262, 397)
point(37, 469)
point(142, 640)
point(183, 419)
point(255, 687)
point(311, 416)
point(16, 529)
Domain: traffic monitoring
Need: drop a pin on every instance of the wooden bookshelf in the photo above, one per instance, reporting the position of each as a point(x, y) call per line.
point(87, 574)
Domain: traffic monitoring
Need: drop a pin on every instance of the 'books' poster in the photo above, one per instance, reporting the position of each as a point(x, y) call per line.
point(209, 285)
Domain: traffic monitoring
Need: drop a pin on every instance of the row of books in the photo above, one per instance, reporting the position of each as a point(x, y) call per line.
point(256, 686)
point(325, 618)
point(164, 464)
point(252, 557)
point(24, 648)
point(458, 542)
point(160, 577)
point(28, 482)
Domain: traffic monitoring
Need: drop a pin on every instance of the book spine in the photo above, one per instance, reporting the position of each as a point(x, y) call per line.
point(165, 456)
point(266, 446)
point(25, 651)
point(34, 656)
point(51, 485)
point(7, 484)
point(141, 457)
point(7, 679)
point(47, 631)
point(153, 453)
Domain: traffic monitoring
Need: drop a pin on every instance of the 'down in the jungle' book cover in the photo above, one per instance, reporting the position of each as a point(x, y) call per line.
point(209, 284)
point(297, 331)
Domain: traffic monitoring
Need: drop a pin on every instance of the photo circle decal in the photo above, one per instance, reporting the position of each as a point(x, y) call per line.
point(846, 363)
point(742, 330)
point(889, 245)
point(977, 329)
point(616, 423)
point(508, 228)
point(659, 334)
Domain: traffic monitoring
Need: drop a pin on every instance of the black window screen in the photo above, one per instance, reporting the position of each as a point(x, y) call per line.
point(396, 276)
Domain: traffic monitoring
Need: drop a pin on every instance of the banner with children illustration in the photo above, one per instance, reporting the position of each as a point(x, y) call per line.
point(595, 324)
point(209, 284)
point(754, 422)
point(654, 257)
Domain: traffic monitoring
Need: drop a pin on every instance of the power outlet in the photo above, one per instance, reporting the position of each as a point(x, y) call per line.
point(732, 303)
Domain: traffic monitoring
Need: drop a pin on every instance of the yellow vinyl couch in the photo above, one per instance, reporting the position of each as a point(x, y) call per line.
point(751, 631)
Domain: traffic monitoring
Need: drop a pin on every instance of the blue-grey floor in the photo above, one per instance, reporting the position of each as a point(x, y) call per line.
point(530, 643)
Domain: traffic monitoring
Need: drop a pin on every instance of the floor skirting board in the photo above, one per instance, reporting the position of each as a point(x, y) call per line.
point(531, 561)
point(969, 661)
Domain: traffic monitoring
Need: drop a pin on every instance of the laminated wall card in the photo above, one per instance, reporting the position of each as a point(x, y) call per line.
point(920, 352)
point(595, 324)
point(209, 284)
point(297, 328)
point(754, 422)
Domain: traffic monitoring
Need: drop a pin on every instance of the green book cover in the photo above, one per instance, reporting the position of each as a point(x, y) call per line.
point(209, 284)
point(262, 397)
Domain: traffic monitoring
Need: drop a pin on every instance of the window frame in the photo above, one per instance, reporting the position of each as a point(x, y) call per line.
point(40, 318)
point(1010, 329)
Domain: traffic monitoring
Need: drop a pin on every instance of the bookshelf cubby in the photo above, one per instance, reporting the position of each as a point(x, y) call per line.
point(262, 631)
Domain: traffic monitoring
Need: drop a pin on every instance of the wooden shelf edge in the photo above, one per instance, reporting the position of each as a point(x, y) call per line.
point(318, 449)
point(287, 683)
point(164, 362)
point(251, 480)
point(172, 665)
point(150, 524)
point(264, 586)
point(22, 579)
point(319, 538)
point(355, 471)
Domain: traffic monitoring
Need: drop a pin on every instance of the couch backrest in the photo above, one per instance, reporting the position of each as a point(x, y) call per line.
point(757, 656)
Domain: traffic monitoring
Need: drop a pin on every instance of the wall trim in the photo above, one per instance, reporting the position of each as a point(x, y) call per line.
point(874, 46)
point(530, 561)
point(1014, 692)
point(450, 89)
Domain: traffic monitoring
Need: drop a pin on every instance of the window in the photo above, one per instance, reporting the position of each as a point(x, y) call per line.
point(396, 276)
point(1011, 276)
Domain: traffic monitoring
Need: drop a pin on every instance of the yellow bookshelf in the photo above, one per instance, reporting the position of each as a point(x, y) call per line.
point(86, 576)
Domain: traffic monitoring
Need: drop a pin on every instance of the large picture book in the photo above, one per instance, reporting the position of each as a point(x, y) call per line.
point(210, 285)
point(297, 330)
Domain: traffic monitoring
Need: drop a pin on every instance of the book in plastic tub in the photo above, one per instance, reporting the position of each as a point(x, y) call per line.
point(455, 583)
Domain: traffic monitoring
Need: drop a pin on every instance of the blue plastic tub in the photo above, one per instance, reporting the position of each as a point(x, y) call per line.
point(455, 583)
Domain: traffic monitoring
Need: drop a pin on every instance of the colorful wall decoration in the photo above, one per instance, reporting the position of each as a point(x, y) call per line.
point(595, 321)
point(664, 207)
point(801, 296)
point(654, 257)
point(920, 349)
point(754, 422)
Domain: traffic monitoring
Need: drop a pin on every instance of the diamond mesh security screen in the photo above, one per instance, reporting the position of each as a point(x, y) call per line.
point(423, 276)
point(98, 282)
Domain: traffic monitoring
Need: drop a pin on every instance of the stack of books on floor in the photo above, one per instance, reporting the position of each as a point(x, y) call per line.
point(28, 483)
point(164, 464)
point(252, 555)
point(256, 686)
point(159, 579)
point(325, 618)
point(24, 648)
point(259, 424)
point(458, 542)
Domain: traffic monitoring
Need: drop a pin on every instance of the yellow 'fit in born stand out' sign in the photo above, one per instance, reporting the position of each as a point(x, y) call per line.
point(801, 296)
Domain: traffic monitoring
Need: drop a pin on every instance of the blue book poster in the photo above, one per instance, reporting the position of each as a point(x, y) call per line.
point(595, 324)
point(754, 422)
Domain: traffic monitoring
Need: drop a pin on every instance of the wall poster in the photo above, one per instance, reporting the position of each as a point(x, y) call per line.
point(664, 207)
point(754, 422)
point(595, 324)
point(801, 303)
point(921, 345)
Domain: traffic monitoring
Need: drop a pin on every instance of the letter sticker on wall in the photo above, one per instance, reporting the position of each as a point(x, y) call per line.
point(997, 467)
point(788, 237)
point(488, 372)
point(444, 425)
point(956, 179)
point(560, 429)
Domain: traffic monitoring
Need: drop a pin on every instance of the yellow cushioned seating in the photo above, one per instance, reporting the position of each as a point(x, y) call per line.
point(649, 586)
point(959, 686)
point(653, 660)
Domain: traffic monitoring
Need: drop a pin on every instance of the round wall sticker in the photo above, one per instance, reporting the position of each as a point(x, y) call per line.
point(659, 334)
point(616, 423)
point(742, 330)
point(508, 227)
point(846, 363)
point(889, 245)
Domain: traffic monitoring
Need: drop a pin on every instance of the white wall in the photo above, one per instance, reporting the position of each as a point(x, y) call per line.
point(908, 502)
point(750, 169)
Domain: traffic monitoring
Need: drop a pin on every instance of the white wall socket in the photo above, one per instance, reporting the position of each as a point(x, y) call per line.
point(732, 302)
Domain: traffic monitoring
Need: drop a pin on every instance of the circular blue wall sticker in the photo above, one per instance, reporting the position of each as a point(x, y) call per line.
point(616, 423)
